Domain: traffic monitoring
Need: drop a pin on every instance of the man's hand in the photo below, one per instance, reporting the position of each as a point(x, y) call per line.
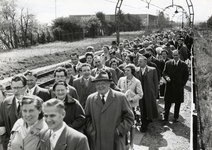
point(2, 130)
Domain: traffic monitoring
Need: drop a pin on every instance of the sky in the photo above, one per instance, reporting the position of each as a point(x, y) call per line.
point(48, 10)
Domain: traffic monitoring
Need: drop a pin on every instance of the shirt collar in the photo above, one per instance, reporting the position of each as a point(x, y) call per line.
point(59, 132)
point(106, 95)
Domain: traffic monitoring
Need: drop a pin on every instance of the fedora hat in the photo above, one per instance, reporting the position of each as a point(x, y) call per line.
point(102, 76)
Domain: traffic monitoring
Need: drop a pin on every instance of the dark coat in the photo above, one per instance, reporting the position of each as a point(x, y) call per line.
point(69, 139)
point(103, 121)
point(174, 92)
point(75, 115)
point(183, 51)
point(119, 73)
point(149, 82)
point(70, 82)
point(82, 90)
point(8, 117)
point(72, 92)
point(42, 93)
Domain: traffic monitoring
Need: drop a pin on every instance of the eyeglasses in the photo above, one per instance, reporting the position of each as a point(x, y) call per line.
point(17, 88)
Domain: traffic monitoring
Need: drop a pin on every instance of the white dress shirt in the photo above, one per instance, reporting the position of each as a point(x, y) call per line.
point(105, 95)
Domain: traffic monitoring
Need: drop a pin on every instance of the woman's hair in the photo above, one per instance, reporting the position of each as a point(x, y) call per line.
point(33, 99)
point(132, 67)
point(59, 83)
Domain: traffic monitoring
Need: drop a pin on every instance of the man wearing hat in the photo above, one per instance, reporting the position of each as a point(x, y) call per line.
point(108, 116)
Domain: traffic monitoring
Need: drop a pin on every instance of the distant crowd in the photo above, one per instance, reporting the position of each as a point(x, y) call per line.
point(97, 103)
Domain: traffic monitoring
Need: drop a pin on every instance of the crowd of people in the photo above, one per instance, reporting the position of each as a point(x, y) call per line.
point(96, 103)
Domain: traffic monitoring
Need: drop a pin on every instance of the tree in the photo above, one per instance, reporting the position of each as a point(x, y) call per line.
point(101, 17)
point(162, 20)
point(91, 25)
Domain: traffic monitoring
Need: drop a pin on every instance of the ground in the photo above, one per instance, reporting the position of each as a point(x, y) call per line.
point(171, 136)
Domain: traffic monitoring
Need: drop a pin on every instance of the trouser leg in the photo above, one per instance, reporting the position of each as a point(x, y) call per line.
point(167, 109)
point(177, 110)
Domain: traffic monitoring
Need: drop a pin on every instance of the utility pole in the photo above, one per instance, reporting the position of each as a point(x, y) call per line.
point(55, 9)
point(117, 18)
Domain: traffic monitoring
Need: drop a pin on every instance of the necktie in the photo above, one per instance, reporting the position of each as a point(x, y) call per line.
point(52, 140)
point(19, 106)
point(75, 69)
point(103, 99)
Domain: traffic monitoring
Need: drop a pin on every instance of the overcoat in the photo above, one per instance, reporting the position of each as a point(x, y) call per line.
point(69, 139)
point(32, 139)
point(174, 91)
point(149, 82)
point(8, 117)
point(103, 121)
point(83, 90)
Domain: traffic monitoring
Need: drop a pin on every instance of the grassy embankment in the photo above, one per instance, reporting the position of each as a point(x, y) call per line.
point(203, 55)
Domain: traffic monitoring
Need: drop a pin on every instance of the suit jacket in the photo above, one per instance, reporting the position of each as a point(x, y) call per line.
point(134, 85)
point(179, 74)
point(72, 92)
point(103, 121)
point(149, 82)
point(42, 93)
point(71, 80)
point(76, 66)
point(32, 139)
point(69, 139)
point(183, 51)
point(8, 117)
point(83, 90)
point(111, 70)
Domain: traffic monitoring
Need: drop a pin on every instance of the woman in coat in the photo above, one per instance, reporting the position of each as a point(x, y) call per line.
point(25, 133)
point(75, 115)
point(132, 88)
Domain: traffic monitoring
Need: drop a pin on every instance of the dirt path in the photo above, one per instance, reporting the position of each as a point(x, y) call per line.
point(171, 136)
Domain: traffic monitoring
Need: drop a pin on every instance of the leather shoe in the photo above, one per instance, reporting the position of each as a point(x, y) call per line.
point(176, 120)
point(143, 130)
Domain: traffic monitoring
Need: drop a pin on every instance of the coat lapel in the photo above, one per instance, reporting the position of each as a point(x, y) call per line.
point(62, 141)
point(45, 142)
point(109, 100)
point(97, 100)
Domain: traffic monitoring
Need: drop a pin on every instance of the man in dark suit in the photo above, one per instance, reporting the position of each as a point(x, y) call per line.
point(75, 62)
point(60, 136)
point(10, 108)
point(149, 81)
point(33, 88)
point(60, 74)
point(99, 66)
point(84, 84)
point(108, 116)
point(176, 75)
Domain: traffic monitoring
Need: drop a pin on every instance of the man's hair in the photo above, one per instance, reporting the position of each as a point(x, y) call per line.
point(54, 102)
point(19, 78)
point(59, 83)
point(85, 65)
point(33, 99)
point(60, 69)
point(106, 46)
point(74, 54)
point(89, 54)
point(113, 60)
point(31, 73)
point(68, 65)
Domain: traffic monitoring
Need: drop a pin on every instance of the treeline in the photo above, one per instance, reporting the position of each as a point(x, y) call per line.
point(19, 28)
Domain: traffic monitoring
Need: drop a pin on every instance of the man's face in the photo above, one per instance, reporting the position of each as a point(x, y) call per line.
point(86, 71)
point(18, 88)
point(31, 81)
point(53, 117)
point(60, 76)
point(98, 62)
point(105, 50)
point(127, 71)
point(164, 55)
point(142, 62)
point(74, 59)
point(102, 86)
point(30, 113)
point(61, 92)
point(69, 71)
point(114, 65)
point(176, 55)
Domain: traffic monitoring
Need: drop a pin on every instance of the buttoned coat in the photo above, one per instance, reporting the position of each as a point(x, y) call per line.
point(75, 114)
point(103, 121)
point(42, 93)
point(31, 140)
point(134, 85)
point(149, 82)
point(83, 90)
point(8, 117)
point(174, 91)
point(69, 139)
